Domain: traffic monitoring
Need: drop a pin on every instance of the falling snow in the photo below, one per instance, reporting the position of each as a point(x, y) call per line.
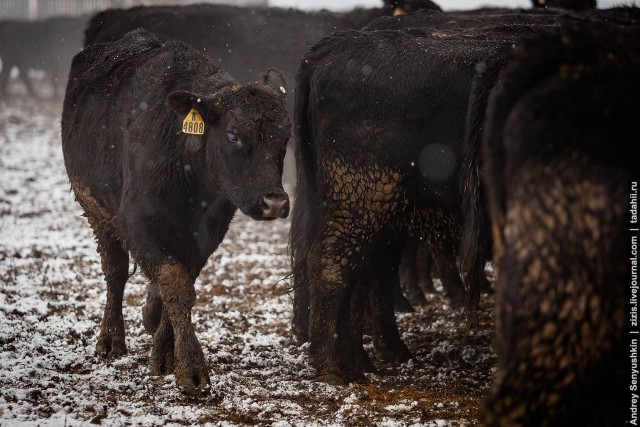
point(52, 296)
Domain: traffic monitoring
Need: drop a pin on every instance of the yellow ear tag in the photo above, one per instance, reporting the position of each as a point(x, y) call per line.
point(398, 11)
point(193, 123)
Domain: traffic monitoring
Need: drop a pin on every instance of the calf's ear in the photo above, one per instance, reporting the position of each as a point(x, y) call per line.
point(275, 80)
point(182, 101)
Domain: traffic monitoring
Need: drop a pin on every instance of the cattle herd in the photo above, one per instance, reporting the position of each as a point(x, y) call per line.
point(489, 137)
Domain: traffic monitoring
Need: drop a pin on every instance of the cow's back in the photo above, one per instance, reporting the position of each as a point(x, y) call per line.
point(114, 103)
point(244, 41)
point(91, 129)
point(354, 77)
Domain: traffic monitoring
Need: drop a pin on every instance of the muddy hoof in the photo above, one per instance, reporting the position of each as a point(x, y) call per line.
point(161, 362)
point(195, 392)
point(457, 301)
point(162, 358)
point(192, 380)
point(398, 353)
point(365, 363)
point(111, 344)
point(417, 300)
point(332, 379)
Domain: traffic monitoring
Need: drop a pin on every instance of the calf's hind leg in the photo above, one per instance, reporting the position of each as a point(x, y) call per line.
point(115, 266)
point(162, 357)
point(152, 310)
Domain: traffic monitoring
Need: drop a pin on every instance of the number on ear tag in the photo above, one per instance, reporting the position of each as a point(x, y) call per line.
point(193, 123)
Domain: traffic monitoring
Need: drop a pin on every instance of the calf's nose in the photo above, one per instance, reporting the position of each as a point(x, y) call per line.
point(275, 205)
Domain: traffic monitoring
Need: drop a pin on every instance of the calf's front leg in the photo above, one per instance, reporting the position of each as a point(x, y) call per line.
point(178, 296)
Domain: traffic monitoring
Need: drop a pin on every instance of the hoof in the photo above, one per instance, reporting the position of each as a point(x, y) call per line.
point(111, 344)
point(394, 354)
point(365, 363)
point(192, 380)
point(402, 305)
point(331, 379)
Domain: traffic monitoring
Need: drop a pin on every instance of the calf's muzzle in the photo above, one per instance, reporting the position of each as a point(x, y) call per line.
point(275, 205)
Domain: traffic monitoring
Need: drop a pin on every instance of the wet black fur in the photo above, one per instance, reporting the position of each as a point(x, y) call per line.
point(160, 195)
point(417, 92)
point(560, 124)
point(243, 40)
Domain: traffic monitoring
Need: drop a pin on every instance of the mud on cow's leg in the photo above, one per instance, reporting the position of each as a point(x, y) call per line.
point(115, 265)
point(152, 310)
point(300, 322)
point(330, 290)
point(162, 357)
point(358, 301)
point(178, 296)
point(386, 337)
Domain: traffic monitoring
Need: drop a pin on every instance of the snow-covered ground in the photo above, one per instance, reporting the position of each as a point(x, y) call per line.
point(52, 296)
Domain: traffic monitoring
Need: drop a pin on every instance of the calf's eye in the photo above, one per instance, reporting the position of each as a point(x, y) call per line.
point(233, 137)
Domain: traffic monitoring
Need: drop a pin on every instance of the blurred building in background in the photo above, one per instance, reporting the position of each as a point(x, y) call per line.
point(37, 9)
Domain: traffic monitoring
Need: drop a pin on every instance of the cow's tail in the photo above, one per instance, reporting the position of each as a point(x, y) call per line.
point(307, 211)
point(476, 244)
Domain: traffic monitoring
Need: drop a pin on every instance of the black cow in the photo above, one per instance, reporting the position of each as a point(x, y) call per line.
point(164, 196)
point(47, 45)
point(476, 238)
point(244, 40)
point(502, 26)
point(578, 5)
point(560, 124)
point(380, 122)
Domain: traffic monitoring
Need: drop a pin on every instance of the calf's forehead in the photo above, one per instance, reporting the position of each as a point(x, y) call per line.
point(260, 110)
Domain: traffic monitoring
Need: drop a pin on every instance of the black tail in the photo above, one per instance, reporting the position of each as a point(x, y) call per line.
point(476, 244)
point(307, 210)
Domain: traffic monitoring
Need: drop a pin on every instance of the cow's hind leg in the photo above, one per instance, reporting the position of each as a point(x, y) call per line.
point(4, 79)
point(386, 337)
point(162, 358)
point(152, 310)
point(115, 265)
point(358, 303)
point(330, 350)
point(27, 82)
point(445, 258)
point(410, 273)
